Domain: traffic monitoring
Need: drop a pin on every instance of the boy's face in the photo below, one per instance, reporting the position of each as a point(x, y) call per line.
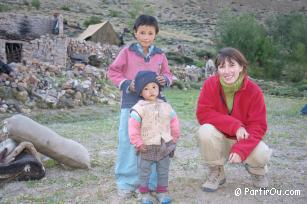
point(145, 35)
point(150, 92)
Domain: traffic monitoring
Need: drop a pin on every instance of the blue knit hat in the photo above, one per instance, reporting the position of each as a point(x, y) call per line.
point(143, 78)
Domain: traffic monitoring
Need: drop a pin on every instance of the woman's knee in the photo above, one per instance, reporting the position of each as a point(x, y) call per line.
point(261, 155)
point(205, 132)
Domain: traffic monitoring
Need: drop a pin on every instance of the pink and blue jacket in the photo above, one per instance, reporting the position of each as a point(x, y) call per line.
point(129, 62)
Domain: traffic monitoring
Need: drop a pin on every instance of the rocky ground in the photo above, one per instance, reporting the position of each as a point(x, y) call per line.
point(184, 22)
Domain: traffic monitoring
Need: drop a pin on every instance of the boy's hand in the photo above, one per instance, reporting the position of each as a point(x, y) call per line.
point(143, 148)
point(132, 86)
point(161, 80)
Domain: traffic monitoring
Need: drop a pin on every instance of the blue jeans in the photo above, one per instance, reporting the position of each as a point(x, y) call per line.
point(126, 168)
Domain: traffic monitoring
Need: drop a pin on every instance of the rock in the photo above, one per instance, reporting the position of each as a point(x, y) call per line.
point(78, 95)
point(22, 86)
point(21, 95)
point(5, 92)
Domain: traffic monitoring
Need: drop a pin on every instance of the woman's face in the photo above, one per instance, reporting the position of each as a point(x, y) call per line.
point(145, 35)
point(229, 71)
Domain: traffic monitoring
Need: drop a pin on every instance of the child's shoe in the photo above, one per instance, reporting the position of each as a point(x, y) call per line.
point(216, 177)
point(146, 198)
point(163, 198)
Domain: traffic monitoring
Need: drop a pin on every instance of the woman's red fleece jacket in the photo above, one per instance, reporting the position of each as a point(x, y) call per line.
point(248, 111)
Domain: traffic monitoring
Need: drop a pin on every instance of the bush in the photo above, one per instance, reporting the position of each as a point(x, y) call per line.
point(179, 58)
point(65, 8)
point(113, 13)
point(246, 34)
point(92, 20)
point(289, 35)
point(4, 8)
point(200, 53)
point(36, 4)
point(199, 63)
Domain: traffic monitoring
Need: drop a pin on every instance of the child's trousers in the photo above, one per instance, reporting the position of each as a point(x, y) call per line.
point(145, 169)
point(215, 148)
point(126, 168)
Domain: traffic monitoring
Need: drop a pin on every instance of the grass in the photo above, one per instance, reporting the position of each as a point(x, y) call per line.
point(96, 128)
point(184, 102)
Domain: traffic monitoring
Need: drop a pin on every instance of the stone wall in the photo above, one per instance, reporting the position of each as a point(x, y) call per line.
point(84, 50)
point(51, 49)
point(51, 79)
point(2, 50)
point(10, 23)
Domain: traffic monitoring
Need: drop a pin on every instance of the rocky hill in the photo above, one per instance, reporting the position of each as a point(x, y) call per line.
point(184, 22)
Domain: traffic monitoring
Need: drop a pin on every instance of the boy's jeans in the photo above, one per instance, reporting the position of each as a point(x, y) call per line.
point(126, 168)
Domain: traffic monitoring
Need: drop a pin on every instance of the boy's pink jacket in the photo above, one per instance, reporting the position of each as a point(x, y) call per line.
point(127, 64)
point(248, 111)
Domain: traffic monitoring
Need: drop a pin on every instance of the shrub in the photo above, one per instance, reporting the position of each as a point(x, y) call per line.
point(199, 63)
point(4, 8)
point(65, 8)
point(179, 58)
point(92, 20)
point(246, 34)
point(36, 4)
point(113, 13)
point(289, 35)
point(26, 3)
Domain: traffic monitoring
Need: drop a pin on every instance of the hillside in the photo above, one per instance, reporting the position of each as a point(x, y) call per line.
point(184, 22)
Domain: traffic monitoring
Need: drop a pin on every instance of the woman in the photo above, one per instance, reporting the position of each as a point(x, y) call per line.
point(232, 115)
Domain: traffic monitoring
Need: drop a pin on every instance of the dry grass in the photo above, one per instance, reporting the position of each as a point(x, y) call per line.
point(96, 129)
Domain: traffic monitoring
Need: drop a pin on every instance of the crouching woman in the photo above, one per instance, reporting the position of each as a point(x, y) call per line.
point(232, 114)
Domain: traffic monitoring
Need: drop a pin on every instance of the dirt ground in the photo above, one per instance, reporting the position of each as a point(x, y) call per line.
point(287, 168)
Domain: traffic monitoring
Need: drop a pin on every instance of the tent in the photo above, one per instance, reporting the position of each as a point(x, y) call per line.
point(102, 32)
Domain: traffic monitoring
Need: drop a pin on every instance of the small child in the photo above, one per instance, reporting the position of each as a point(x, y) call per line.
point(154, 131)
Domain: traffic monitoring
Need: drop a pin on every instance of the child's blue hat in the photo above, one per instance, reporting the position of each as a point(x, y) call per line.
point(143, 78)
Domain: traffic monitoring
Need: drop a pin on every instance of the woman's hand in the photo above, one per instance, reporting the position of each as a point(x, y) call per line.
point(234, 158)
point(161, 80)
point(242, 134)
point(132, 86)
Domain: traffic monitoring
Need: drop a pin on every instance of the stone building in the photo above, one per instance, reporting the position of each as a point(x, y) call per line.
point(24, 37)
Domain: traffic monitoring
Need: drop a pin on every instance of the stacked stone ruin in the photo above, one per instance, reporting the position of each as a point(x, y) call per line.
point(49, 76)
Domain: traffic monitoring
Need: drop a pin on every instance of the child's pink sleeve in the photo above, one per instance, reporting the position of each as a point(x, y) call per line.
point(134, 129)
point(116, 69)
point(175, 129)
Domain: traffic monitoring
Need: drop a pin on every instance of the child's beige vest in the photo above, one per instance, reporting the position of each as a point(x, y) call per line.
point(156, 118)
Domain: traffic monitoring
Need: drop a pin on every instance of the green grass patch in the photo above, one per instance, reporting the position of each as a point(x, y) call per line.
point(184, 102)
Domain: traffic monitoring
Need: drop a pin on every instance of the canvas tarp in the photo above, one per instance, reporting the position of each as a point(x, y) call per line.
point(102, 32)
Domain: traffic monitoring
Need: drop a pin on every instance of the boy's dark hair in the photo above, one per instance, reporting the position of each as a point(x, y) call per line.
point(146, 20)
